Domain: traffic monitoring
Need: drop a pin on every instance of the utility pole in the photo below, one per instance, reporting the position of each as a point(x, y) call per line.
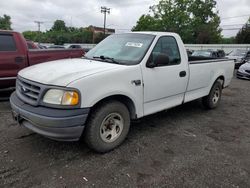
point(39, 25)
point(39, 29)
point(105, 10)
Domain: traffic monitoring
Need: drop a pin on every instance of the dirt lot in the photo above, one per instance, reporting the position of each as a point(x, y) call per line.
point(183, 147)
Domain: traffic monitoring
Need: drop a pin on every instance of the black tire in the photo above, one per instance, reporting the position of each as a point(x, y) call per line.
point(210, 102)
point(93, 135)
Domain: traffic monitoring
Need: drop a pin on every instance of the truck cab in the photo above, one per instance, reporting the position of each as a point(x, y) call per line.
point(12, 58)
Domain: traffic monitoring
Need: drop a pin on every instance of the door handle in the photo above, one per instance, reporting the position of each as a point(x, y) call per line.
point(19, 59)
point(183, 73)
point(136, 82)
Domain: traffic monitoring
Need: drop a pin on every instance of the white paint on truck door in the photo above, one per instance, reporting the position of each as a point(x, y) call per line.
point(163, 85)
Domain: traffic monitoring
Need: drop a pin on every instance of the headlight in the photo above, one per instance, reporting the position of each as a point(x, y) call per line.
point(61, 97)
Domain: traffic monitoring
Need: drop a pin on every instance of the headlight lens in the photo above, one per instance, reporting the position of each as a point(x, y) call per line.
point(61, 97)
point(70, 98)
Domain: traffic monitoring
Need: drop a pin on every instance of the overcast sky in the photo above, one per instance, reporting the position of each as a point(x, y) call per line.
point(124, 13)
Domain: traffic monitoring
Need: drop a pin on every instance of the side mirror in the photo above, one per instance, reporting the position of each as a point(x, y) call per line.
point(160, 60)
point(150, 62)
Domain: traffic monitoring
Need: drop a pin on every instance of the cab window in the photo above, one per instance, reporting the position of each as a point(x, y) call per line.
point(7, 43)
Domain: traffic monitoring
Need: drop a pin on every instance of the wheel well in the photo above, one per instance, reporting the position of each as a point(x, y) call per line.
point(123, 99)
point(221, 79)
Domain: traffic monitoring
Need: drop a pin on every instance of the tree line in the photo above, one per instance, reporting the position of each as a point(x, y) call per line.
point(196, 21)
point(60, 34)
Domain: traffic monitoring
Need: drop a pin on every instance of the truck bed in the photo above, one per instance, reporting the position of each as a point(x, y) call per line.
point(38, 56)
point(205, 69)
point(200, 58)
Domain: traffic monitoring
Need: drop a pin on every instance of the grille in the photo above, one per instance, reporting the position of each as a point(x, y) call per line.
point(248, 71)
point(28, 91)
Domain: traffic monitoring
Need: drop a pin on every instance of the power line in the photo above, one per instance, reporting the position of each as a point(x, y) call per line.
point(124, 3)
point(235, 17)
point(229, 29)
point(105, 10)
point(122, 29)
point(232, 25)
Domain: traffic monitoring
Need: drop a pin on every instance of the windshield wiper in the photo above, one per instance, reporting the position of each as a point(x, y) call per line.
point(102, 57)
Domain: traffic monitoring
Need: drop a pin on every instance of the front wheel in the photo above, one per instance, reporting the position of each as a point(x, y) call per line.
point(213, 99)
point(107, 126)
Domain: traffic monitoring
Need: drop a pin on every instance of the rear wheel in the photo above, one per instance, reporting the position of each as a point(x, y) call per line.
point(107, 126)
point(213, 99)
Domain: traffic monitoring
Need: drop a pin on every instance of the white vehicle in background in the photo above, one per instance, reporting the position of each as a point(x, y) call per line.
point(126, 76)
point(244, 71)
point(74, 46)
point(237, 55)
point(206, 53)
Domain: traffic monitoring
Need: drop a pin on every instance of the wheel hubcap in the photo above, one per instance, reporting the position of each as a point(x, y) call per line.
point(216, 96)
point(111, 127)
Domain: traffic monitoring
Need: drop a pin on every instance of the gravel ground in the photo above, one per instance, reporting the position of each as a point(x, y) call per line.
point(183, 147)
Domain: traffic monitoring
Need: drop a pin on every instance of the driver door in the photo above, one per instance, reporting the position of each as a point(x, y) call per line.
point(165, 85)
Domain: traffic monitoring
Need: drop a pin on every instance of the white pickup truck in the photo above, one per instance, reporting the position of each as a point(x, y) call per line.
point(125, 77)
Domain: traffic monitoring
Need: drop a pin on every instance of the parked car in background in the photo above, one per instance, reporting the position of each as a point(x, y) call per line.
point(41, 46)
point(237, 55)
point(56, 47)
point(205, 53)
point(74, 46)
point(78, 46)
point(221, 53)
point(86, 49)
point(31, 45)
point(189, 52)
point(244, 71)
point(16, 55)
point(125, 77)
point(245, 59)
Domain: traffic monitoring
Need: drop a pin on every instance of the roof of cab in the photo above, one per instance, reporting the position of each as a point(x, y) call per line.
point(7, 31)
point(157, 33)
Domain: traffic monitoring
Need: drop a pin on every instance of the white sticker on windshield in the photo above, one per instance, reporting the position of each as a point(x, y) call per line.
point(134, 44)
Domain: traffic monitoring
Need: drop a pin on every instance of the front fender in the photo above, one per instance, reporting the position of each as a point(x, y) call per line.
point(97, 87)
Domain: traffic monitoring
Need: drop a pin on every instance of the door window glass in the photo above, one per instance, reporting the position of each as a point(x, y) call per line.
point(168, 46)
point(7, 43)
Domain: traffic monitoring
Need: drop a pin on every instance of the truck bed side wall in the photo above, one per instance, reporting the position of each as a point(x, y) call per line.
point(203, 75)
point(41, 56)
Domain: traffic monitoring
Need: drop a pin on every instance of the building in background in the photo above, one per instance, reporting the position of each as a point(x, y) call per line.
point(97, 30)
point(98, 33)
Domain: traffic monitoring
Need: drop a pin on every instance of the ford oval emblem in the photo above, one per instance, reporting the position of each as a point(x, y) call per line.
point(23, 89)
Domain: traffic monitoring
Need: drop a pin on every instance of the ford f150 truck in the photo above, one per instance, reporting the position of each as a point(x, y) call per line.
point(125, 77)
point(15, 55)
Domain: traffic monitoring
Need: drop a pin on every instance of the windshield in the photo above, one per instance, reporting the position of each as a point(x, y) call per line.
point(202, 53)
point(128, 49)
point(238, 53)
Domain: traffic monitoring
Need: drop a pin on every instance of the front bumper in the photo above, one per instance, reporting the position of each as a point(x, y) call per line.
point(243, 75)
point(57, 124)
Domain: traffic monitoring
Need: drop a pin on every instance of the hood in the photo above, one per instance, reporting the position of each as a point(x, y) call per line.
point(63, 72)
point(245, 66)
